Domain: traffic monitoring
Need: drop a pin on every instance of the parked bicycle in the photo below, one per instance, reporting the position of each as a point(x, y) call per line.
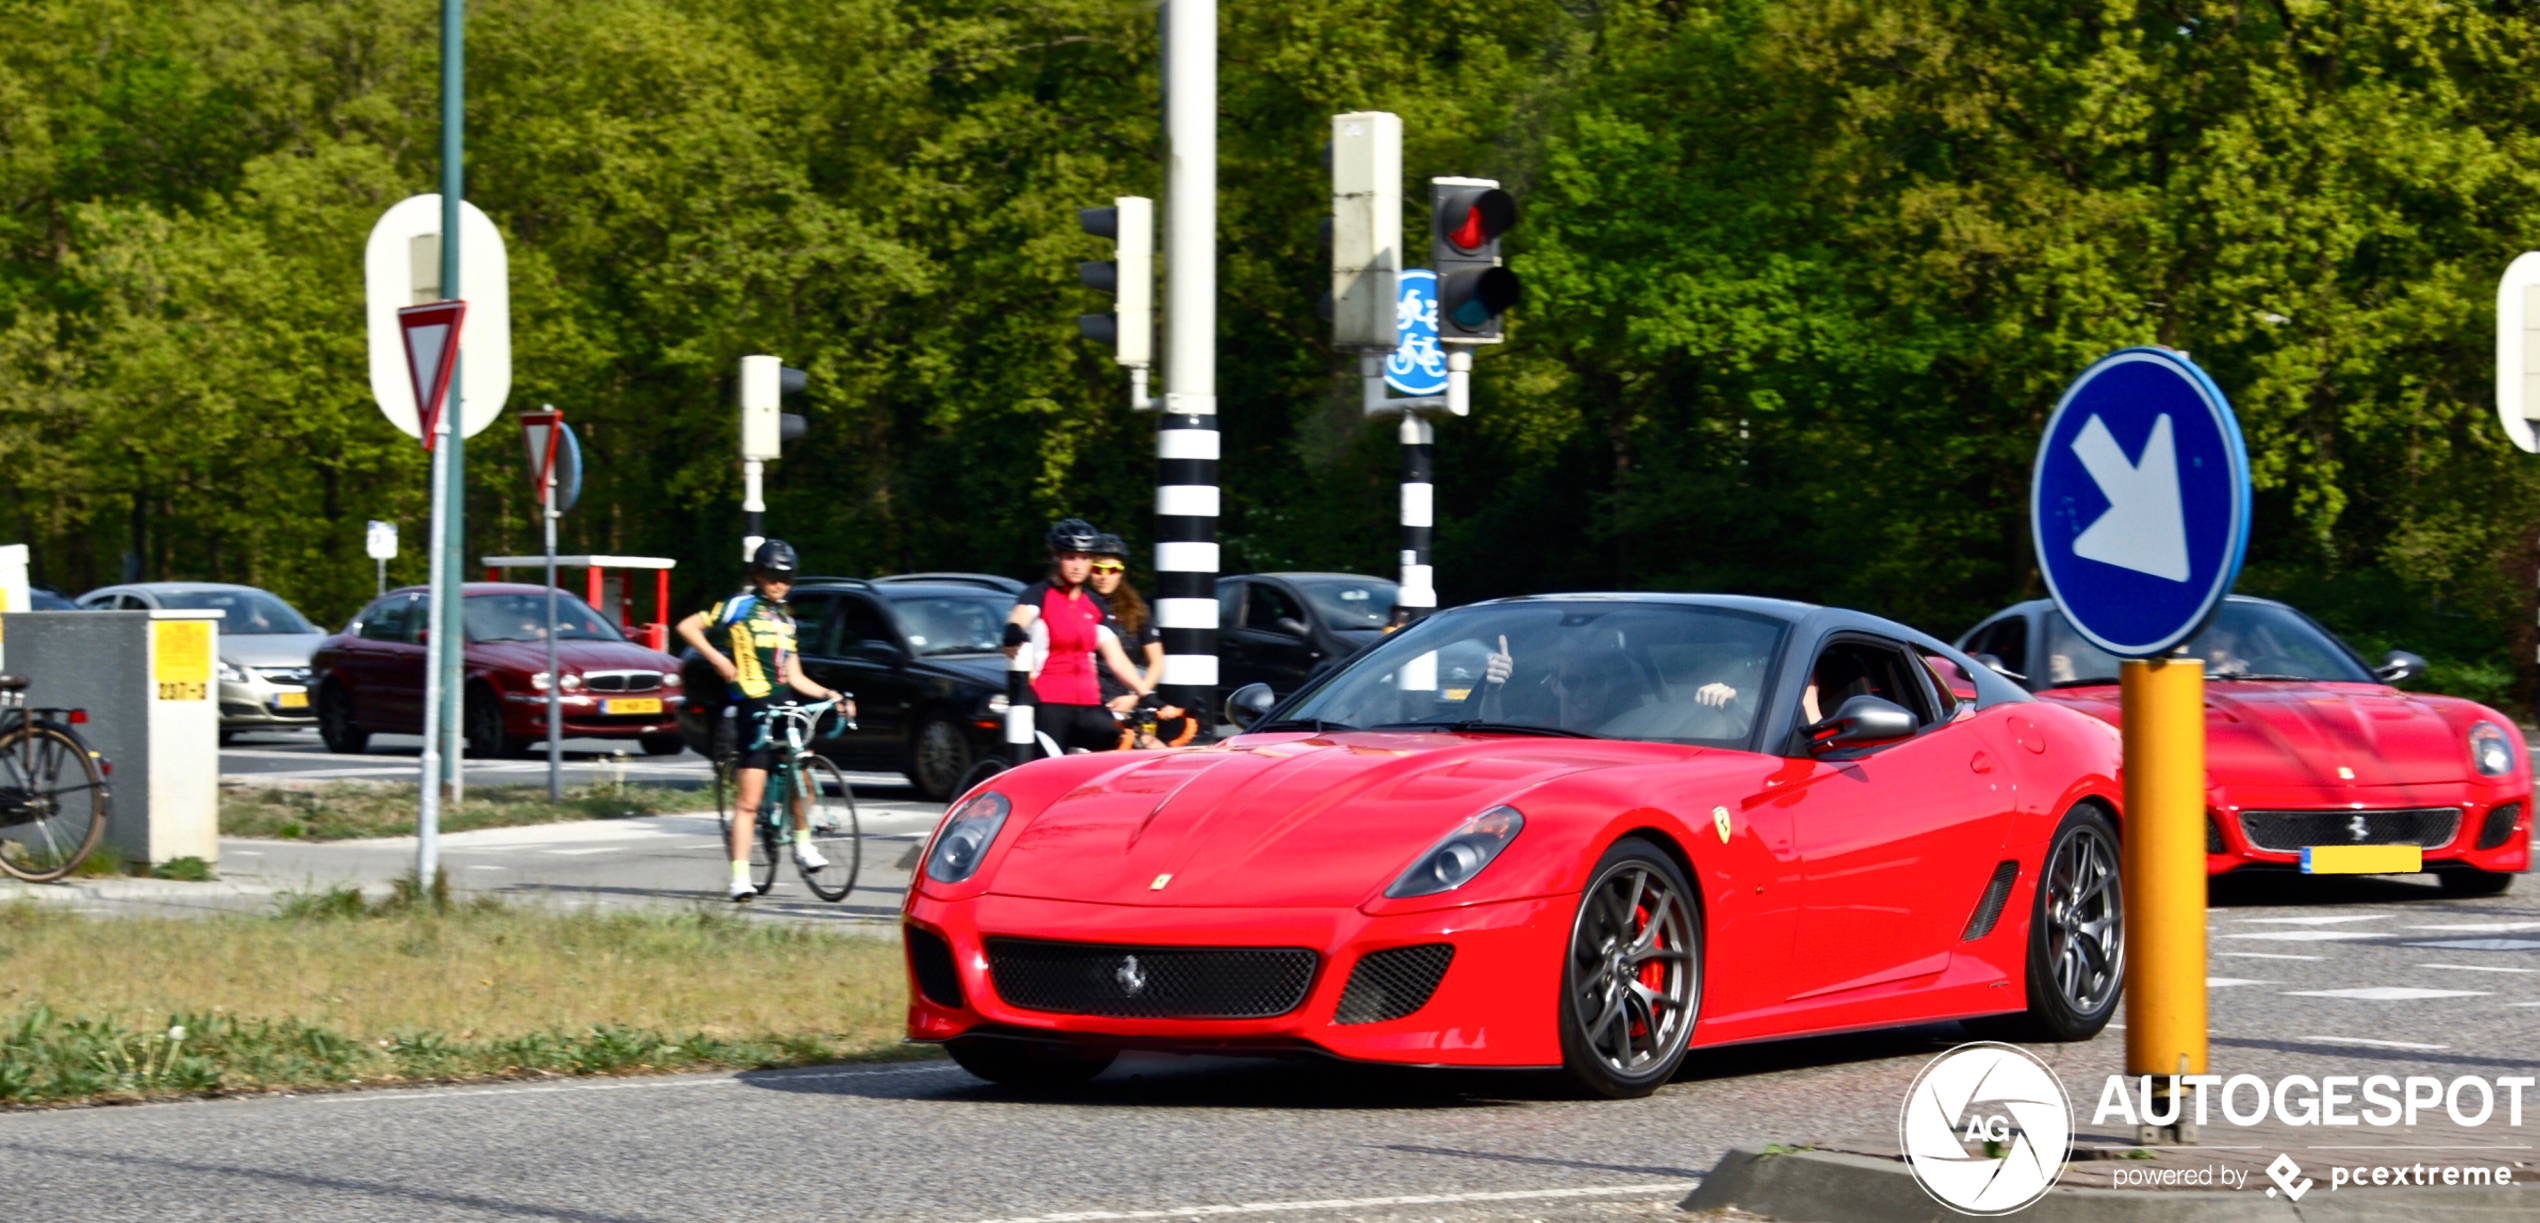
point(806, 784)
point(53, 793)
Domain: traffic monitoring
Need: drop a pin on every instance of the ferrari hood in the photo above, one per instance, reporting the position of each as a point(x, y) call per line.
point(1318, 822)
point(2263, 732)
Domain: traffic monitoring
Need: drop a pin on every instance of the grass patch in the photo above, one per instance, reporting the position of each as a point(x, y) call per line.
point(334, 991)
point(342, 811)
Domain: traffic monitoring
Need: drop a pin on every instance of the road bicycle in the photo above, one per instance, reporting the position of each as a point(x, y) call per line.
point(807, 784)
point(53, 793)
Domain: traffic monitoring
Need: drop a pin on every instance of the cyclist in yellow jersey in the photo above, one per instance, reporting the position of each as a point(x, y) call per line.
point(750, 640)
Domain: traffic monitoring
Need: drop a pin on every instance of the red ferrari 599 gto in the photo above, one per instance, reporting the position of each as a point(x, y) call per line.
point(2306, 745)
point(1584, 831)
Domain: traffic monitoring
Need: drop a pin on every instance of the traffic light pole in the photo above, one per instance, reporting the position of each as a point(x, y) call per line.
point(1186, 495)
point(753, 507)
point(443, 753)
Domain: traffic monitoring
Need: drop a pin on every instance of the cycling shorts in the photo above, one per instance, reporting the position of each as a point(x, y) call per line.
point(746, 729)
point(1090, 727)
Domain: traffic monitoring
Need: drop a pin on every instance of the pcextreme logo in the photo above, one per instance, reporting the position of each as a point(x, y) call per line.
point(1986, 1129)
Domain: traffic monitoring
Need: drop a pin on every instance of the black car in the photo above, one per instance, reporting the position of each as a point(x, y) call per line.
point(1280, 628)
point(920, 653)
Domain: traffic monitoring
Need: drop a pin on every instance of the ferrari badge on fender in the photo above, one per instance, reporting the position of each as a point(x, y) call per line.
point(1720, 821)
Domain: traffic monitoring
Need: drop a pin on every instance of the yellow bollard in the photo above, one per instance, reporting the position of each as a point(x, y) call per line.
point(2164, 833)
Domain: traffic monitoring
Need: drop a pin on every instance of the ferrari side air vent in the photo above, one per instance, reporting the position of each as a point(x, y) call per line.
point(1392, 983)
point(2499, 825)
point(1989, 907)
point(2213, 835)
point(930, 961)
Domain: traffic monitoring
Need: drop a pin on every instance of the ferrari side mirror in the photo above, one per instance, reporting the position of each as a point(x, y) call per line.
point(1249, 704)
point(2399, 665)
point(1993, 663)
point(1864, 721)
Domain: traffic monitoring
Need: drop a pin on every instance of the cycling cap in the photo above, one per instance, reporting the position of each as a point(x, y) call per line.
point(1073, 535)
point(775, 558)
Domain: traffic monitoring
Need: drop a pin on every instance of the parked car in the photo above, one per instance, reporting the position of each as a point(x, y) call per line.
point(2307, 744)
point(370, 676)
point(1681, 821)
point(1281, 628)
point(265, 646)
point(920, 653)
point(45, 598)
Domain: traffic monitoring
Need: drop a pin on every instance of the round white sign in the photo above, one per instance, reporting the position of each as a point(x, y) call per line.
point(1986, 1129)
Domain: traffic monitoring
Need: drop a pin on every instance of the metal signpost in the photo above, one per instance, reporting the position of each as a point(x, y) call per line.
point(380, 541)
point(538, 431)
point(431, 342)
point(2518, 350)
point(2139, 507)
point(1186, 440)
point(1417, 367)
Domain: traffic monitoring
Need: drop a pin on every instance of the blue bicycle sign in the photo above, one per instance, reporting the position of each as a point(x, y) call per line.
point(1417, 366)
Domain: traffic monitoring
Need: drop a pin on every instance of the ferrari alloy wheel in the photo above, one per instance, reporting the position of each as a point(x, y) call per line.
point(2076, 937)
point(1032, 1065)
point(1632, 982)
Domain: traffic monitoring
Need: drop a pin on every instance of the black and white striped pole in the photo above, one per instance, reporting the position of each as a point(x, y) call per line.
point(1019, 748)
point(1186, 500)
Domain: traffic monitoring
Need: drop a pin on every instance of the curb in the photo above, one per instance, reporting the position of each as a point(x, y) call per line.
point(1838, 1187)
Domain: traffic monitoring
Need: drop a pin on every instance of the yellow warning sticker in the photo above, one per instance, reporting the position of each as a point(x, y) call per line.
point(183, 653)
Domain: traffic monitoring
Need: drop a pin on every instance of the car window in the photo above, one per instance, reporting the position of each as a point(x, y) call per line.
point(859, 621)
point(130, 603)
point(1267, 605)
point(243, 613)
point(1663, 672)
point(1853, 666)
point(1230, 603)
point(814, 635)
point(523, 617)
point(1950, 682)
point(953, 624)
point(1364, 603)
point(387, 620)
point(2006, 639)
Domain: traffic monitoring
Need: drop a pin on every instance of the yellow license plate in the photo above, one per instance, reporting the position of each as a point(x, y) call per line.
point(2363, 860)
point(632, 704)
point(291, 700)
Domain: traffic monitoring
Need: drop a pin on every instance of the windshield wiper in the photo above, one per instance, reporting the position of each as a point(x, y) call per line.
point(1317, 725)
point(2092, 682)
point(1496, 728)
point(2265, 676)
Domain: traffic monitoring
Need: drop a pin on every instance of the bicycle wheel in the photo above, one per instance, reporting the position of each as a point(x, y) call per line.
point(829, 809)
point(53, 802)
point(723, 798)
point(767, 849)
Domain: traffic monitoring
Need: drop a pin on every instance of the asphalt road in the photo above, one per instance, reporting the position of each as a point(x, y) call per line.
point(2351, 976)
point(298, 754)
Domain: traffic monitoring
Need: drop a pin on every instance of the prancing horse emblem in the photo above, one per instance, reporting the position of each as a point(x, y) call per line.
point(1132, 979)
point(2359, 828)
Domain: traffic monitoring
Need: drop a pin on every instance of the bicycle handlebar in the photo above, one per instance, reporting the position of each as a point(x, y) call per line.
point(807, 715)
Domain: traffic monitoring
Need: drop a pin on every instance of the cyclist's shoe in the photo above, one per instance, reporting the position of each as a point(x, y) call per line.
point(808, 857)
point(743, 891)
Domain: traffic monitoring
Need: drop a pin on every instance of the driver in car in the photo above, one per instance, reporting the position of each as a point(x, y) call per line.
point(1585, 685)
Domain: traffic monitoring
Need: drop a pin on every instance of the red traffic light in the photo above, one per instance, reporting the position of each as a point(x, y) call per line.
point(1470, 219)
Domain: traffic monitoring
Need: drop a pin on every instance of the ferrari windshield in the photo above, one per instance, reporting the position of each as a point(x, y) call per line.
point(1666, 672)
point(2244, 641)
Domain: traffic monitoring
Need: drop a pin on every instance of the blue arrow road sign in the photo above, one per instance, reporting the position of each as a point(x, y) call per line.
point(1417, 366)
point(2140, 501)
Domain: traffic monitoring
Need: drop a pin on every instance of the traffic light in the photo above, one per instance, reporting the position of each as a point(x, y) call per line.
point(1129, 277)
point(765, 424)
point(1365, 233)
point(1466, 218)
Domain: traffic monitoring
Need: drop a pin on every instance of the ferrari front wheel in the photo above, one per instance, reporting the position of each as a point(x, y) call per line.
point(1631, 984)
point(2076, 935)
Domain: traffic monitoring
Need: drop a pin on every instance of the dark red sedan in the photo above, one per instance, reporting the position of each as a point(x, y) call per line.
point(369, 677)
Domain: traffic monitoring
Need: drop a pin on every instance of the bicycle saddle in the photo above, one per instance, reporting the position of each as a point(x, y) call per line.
point(11, 681)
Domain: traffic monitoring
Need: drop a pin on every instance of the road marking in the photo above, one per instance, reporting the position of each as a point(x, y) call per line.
point(2479, 967)
point(2483, 944)
point(601, 849)
point(2387, 993)
point(1407, 1199)
point(2371, 1043)
point(2475, 927)
point(2265, 955)
point(2313, 936)
point(2314, 921)
point(2219, 982)
point(461, 1093)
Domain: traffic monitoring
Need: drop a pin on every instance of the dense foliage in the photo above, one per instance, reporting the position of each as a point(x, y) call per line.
point(1804, 279)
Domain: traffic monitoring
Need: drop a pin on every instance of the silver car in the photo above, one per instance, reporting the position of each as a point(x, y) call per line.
point(265, 646)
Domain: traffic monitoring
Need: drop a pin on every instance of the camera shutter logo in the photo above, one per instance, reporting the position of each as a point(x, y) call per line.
point(1986, 1129)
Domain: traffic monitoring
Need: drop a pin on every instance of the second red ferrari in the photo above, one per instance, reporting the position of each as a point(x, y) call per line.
point(1581, 831)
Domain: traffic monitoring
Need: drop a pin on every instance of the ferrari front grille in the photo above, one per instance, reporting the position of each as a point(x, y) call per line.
point(1392, 983)
point(2292, 831)
point(1150, 982)
point(2499, 825)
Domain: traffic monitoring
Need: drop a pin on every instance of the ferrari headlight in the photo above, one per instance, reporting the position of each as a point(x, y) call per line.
point(1452, 862)
point(967, 833)
point(2491, 750)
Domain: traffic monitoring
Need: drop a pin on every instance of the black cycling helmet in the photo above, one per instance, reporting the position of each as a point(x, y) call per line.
point(774, 558)
point(1110, 545)
point(1073, 535)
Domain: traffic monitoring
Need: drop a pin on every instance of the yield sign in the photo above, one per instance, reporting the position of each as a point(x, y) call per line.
point(431, 333)
point(538, 432)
